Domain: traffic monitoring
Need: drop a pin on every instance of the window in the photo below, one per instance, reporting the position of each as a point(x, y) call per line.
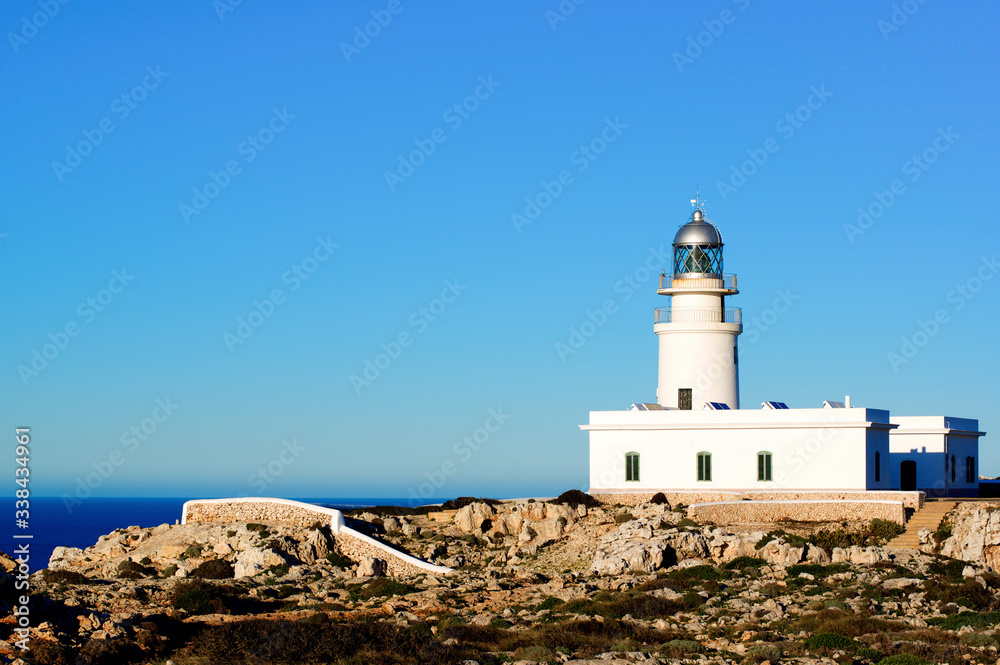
point(878, 466)
point(704, 466)
point(952, 468)
point(631, 467)
point(684, 399)
point(764, 466)
point(970, 469)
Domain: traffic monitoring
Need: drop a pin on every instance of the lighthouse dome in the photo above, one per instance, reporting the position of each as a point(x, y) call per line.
point(698, 232)
point(698, 248)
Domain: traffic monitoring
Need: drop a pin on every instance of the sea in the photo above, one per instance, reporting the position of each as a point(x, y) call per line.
point(53, 523)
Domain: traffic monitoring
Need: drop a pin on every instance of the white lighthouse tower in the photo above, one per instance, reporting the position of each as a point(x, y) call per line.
point(699, 360)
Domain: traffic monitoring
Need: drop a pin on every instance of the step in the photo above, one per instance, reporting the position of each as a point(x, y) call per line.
point(928, 517)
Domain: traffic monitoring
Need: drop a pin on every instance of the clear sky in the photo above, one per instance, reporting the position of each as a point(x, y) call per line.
point(216, 216)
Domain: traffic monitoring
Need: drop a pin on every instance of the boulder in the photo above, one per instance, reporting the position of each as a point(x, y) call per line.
point(253, 560)
point(371, 567)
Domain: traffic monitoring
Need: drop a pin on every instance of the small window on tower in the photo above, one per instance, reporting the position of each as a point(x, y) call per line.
point(952, 468)
point(970, 469)
point(684, 399)
point(632, 467)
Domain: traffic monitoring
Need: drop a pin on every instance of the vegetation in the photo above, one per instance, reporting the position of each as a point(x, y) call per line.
point(214, 569)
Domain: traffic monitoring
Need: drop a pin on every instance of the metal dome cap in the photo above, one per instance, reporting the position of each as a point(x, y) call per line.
point(698, 231)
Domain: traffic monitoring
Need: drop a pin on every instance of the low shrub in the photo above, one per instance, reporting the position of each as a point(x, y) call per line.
point(830, 641)
point(903, 659)
point(549, 603)
point(622, 518)
point(962, 619)
point(197, 597)
point(659, 499)
point(759, 653)
point(576, 498)
point(695, 573)
point(381, 587)
point(215, 569)
point(539, 654)
point(816, 570)
point(339, 560)
point(130, 570)
point(65, 577)
point(845, 623)
point(744, 562)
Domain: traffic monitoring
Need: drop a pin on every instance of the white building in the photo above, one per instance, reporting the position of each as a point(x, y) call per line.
point(697, 439)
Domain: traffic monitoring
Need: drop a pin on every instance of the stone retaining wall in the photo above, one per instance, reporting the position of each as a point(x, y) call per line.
point(280, 511)
point(687, 498)
point(349, 542)
point(913, 500)
point(761, 512)
point(357, 546)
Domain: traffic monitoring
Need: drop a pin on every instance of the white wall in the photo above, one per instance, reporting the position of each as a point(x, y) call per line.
point(922, 439)
point(700, 357)
point(811, 448)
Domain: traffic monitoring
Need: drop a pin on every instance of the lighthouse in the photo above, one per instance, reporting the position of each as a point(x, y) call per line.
point(699, 358)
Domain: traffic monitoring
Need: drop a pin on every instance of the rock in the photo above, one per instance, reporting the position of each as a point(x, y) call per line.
point(371, 567)
point(391, 524)
point(315, 547)
point(254, 560)
point(900, 583)
point(616, 556)
point(63, 557)
point(171, 552)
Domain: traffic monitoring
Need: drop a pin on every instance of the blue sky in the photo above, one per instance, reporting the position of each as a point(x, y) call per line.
point(259, 164)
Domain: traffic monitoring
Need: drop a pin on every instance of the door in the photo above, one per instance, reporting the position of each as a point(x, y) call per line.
point(908, 475)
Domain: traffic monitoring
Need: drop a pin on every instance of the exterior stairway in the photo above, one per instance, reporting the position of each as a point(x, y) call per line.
point(929, 517)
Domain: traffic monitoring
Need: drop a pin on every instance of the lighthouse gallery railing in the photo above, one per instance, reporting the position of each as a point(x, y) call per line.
point(673, 314)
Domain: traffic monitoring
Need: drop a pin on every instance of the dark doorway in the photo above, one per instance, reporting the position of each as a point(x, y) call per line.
point(908, 475)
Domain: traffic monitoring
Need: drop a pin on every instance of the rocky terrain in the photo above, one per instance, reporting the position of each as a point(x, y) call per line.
point(534, 582)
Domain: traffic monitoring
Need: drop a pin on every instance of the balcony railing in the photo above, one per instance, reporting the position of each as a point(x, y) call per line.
point(699, 315)
point(727, 282)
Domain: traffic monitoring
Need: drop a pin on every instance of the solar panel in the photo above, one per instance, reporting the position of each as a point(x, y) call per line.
point(829, 404)
point(774, 405)
point(716, 406)
point(647, 407)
